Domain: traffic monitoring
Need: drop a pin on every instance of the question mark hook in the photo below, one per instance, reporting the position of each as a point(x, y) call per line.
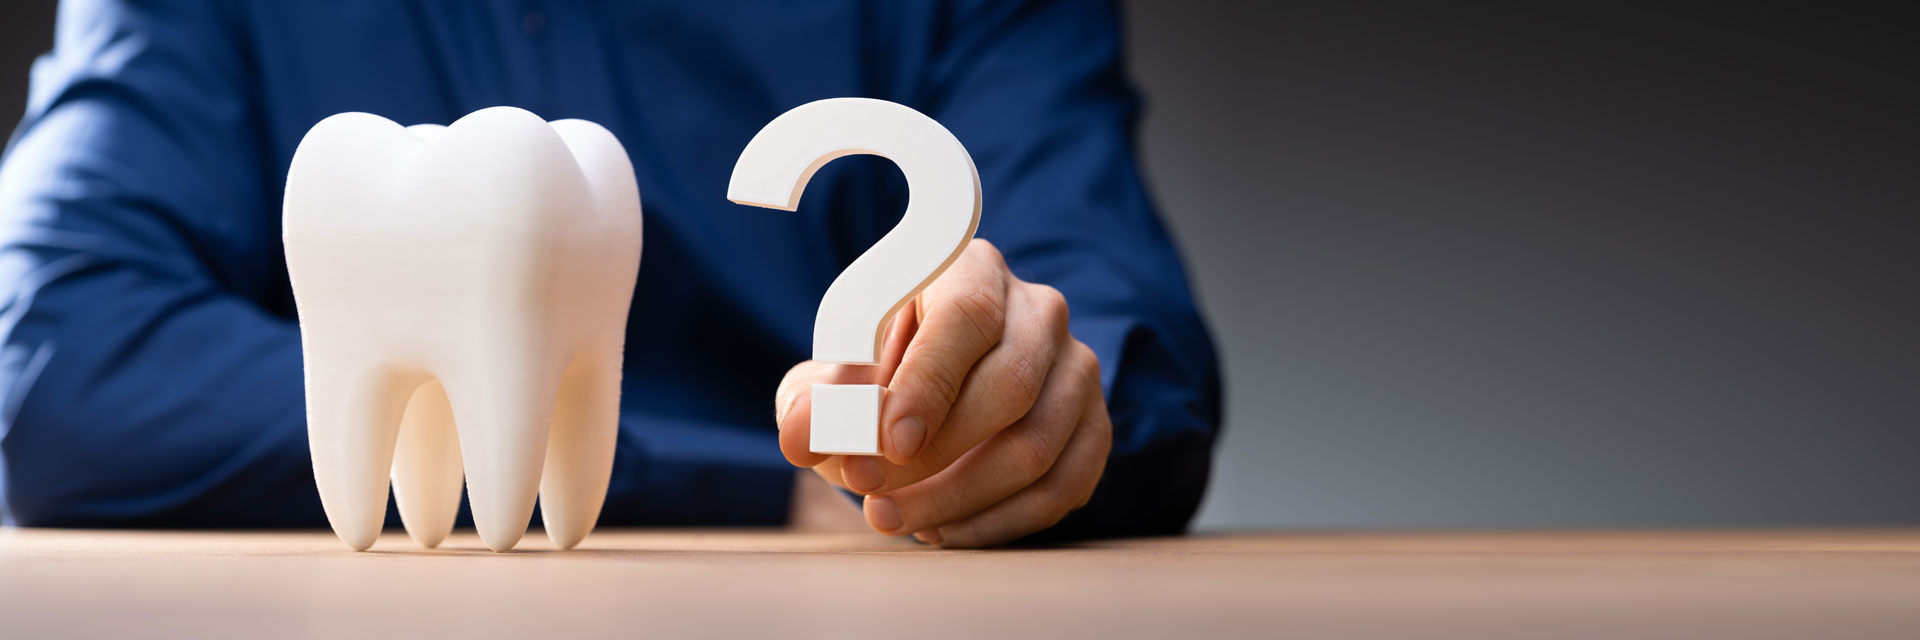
point(943, 211)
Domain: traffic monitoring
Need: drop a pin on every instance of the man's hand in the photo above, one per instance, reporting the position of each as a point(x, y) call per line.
point(994, 425)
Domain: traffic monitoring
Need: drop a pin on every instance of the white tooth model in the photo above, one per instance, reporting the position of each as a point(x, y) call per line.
point(475, 275)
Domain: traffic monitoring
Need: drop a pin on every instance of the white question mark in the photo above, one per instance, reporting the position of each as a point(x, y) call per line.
point(943, 210)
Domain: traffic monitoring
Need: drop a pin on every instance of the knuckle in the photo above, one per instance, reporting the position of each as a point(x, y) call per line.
point(933, 368)
point(1098, 431)
point(985, 248)
point(985, 311)
point(1029, 453)
point(1087, 361)
point(939, 385)
point(1085, 497)
point(1101, 430)
point(1086, 353)
point(1051, 506)
point(1053, 306)
point(1098, 428)
point(1024, 379)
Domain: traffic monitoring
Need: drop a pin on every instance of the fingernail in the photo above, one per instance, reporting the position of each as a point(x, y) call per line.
point(862, 474)
point(930, 536)
point(908, 433)
point(884, 515)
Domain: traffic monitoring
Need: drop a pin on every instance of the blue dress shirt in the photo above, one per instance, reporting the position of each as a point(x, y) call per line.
point(149, 354)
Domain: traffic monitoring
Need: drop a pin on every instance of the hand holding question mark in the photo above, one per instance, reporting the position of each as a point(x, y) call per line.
point(943, 210)
point(997, 422)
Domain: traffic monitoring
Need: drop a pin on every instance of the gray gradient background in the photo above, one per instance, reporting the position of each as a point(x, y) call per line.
point(1517, 266)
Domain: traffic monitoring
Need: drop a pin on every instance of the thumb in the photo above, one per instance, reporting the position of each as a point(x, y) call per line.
point(793, 410)
point(793, 404)
point(793, 400)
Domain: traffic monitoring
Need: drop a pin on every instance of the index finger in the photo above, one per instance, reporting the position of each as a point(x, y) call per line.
point(962, 316)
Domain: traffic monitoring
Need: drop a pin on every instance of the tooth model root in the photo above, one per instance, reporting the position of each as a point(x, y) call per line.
point(519, 442)
point(427, 471)
point(586, 420)
point(353, 417)
point(503, 422)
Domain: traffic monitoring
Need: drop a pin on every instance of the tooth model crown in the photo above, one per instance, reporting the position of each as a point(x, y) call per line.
point(476, 275)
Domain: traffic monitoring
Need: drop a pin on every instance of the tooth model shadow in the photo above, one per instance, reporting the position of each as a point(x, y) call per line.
point(476, 275)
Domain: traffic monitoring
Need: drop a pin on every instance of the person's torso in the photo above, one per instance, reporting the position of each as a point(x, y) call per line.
point(726, 293)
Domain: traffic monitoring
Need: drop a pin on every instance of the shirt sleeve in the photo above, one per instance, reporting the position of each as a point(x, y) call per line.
point(142, 382)
point(1037, 92)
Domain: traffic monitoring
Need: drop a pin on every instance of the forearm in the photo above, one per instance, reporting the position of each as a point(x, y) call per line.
point(137, 402)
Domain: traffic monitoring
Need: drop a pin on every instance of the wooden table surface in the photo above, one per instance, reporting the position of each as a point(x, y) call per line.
point(769, 584)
